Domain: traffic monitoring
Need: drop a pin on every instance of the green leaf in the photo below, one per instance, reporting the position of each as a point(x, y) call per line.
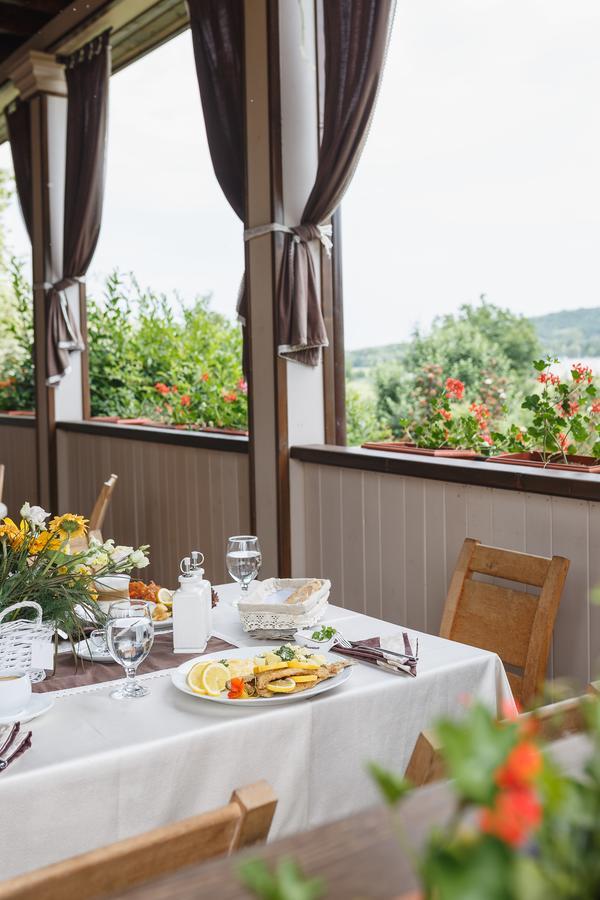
point(393, 787)
point(286, 883)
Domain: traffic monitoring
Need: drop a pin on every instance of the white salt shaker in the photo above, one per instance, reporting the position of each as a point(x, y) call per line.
point(190, 621)
point(197, 558)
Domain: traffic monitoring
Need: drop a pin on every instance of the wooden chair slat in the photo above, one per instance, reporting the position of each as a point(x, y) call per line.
point(497, 619)
point(514, 624)
point(510, 565)
point(553, 722)
point(245, 820)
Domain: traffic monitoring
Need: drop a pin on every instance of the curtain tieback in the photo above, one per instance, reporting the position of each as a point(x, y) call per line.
point(73, 340)
point(301, 233)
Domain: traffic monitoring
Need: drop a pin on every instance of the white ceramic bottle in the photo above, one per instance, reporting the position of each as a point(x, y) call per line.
point(190, 622)
point(197, 558)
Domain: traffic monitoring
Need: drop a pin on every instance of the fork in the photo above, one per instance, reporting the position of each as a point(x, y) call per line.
point(343, 642)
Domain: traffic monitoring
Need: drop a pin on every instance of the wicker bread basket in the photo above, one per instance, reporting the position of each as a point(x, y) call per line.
point(17, 638)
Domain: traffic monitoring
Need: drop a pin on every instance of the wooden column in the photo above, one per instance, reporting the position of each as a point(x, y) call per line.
point(287, 404)
point(40, 80)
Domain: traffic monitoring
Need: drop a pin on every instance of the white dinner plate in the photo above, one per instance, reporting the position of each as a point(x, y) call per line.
point(179, 675)
point(37, 706)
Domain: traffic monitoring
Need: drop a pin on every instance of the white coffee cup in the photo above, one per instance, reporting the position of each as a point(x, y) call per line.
point(15, 692)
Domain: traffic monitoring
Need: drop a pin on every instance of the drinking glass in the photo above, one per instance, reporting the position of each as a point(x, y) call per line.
point(129, 635)
point(243, 560)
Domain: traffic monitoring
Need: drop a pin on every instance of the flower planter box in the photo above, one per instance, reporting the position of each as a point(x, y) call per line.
point(407, 447)
point(152, 423)
point(575, 464)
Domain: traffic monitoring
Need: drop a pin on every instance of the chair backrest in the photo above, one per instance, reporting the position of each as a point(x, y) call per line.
point(245, 820)
point(554, 721)
point(100, 507)
point(515, 624)
point(1, 479)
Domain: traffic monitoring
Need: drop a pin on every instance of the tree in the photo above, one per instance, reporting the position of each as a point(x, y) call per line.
point(488, 348)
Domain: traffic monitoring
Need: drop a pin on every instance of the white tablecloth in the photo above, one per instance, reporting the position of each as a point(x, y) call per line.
point(100, 770)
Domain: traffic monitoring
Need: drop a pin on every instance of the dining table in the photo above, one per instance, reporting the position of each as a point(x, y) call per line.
point(100, 769)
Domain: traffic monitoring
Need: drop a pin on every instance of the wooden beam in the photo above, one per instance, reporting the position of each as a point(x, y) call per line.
point(21, 20)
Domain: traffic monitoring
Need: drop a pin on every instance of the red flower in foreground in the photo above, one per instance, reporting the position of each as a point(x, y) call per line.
point(162, 388)
point(186, 400)
point(523, 765)
point(455, 389)
point(229, 396)
point(514, 816)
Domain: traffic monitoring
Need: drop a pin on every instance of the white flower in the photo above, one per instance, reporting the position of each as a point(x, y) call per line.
point(119, 553)
point(35, 515)
point(138, 559)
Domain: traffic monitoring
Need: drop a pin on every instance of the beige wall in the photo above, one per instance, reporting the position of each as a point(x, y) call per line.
point(174, 498)
point(17, 453)
point(389, 544)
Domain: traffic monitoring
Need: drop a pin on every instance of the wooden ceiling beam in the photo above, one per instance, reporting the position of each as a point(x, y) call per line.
point(21, 20)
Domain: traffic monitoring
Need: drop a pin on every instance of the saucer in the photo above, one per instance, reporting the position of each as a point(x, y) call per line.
point(37, 706)
point(86, 650)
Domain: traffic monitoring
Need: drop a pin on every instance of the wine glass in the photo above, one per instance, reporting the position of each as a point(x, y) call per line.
point(243, 560)
point(129, 635)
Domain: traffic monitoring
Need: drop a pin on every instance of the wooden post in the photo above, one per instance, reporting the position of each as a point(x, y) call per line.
point(40, 79)
point(286, 399)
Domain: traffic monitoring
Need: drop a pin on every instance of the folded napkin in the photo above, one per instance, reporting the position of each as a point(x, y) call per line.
point(372, 651)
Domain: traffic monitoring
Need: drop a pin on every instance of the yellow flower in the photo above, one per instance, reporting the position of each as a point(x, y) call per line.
point(12, 533)
point(68, 526)
point(45, 541)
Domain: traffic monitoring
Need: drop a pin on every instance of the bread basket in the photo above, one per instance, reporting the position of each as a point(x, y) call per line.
point(284, 604)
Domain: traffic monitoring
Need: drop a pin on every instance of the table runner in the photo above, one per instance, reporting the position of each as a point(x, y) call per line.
point(124, 768)
point(72, 672)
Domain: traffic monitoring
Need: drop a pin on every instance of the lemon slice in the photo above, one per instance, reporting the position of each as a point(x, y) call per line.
point(299, 664)
point(282, 686)
point(165, 596)
point(270, 667)
point(213, 678)
point(194, 678)
point(304, 679)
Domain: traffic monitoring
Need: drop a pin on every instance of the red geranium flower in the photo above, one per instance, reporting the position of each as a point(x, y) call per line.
point(582, 373)
point(186, 400)
point(205, 376)
point(523, 765)
point(162, 388)
point(548, 378)
point(455, 389)
point(243, 385)
point(446, 414)
point(229, 396)
point(514, 816)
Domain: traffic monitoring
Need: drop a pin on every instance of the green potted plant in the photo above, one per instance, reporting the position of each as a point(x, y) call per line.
point(564, 432)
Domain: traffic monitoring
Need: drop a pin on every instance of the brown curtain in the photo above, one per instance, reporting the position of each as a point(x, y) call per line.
point(18, 121)
point(355, 38)
point(87, 73)
point(218, 37)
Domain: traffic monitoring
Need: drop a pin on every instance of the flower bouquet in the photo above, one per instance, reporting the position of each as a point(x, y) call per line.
point(39, 564)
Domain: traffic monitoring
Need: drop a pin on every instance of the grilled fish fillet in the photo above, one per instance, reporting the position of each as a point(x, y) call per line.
point(322, 673)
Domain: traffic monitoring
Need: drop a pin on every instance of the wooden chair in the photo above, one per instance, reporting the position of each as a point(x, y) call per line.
point(512, 623)
point(554, 721)
point(244, 821)
point(101, 506)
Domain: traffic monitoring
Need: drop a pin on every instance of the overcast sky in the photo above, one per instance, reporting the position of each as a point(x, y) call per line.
point(481, 173)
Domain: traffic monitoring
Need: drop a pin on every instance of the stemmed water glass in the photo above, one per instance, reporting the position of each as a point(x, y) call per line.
point(243, 560)
point(129, 635)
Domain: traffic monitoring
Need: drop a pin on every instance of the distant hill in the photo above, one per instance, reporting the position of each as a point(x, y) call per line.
point(570, 332)
point(573, 333)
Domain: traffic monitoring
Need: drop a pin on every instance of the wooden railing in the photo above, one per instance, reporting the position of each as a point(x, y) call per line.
point(386, 529)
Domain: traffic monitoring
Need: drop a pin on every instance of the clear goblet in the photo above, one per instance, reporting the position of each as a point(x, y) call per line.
point(243, 560)
point(129, 636)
